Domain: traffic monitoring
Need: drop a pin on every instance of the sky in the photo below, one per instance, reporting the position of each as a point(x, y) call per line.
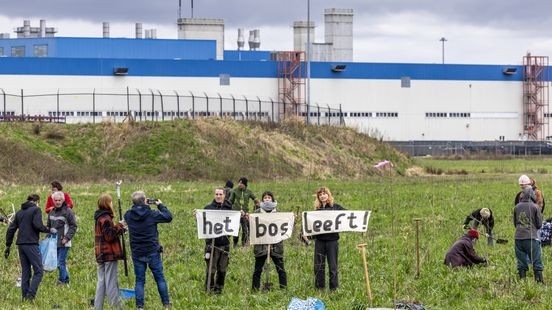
point(397, 31)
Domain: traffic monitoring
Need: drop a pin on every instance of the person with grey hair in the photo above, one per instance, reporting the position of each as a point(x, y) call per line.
point(63, 220)
point(483, 216)
point(144, 244)
point(527, 220)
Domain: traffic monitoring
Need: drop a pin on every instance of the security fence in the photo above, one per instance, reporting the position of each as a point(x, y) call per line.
point(460, 148)
point(117, 105)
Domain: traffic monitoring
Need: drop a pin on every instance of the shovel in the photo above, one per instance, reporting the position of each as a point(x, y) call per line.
point(498, 240)
point(267, 285)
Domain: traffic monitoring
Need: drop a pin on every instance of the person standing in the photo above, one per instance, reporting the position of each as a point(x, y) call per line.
point(483, 216)
point(326, 245)
point(108, 251)
point(239, 199)
point(524, 182)
point(216, 255)
point(227, 189)
point(462, 253)
point(56, 187)
point(28, 221)
point(268, 205)
point(144, 244)
point(527, 220)
point(63, 220)
point(539, 197)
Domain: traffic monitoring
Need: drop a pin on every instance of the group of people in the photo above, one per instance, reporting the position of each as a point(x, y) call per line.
point(141, 221)
point(527, 219)
point(217, 250)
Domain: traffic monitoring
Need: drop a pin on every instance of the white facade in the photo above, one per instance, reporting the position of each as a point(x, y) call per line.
point(428, 110)
point(203, 29)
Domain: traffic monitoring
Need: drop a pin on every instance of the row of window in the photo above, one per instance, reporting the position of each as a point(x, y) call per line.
point(444, 114)
point(352, 114)
point(39, 50)
point(155, 113)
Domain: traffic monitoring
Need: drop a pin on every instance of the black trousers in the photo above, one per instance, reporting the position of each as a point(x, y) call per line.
point(278, 262)
point(29, 256)
point(325, 250)
point(220, 260)
point(244, 223)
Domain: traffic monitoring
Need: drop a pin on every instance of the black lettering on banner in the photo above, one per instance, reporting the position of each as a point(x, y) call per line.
point(210, 228)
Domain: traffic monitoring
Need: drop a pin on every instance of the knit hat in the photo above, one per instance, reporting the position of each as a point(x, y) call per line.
point(243, 180)
point(473, 233)
point(485, 213)
point(524, 180)
point(229, 184)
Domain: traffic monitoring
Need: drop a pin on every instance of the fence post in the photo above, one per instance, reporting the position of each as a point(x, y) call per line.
point(272, 108)
point(318, 108)
point(94, 106)
point(152, 104)
point(260, 111)
point(220, 98)
point(177, 105)
point(57, 105)
point(341, 116)
point(4, 97)
point(246, 108)
point(128, 103)
point(207, 103)
point(233, 106)
point(329, 115)
point(139, 103)
point(22, 106)
point(162, 108)
point(193, 105)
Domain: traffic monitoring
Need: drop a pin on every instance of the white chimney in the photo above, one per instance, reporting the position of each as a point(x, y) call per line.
point(139, 30)
point(42, 28)
point(105, 29)
point(241, 40)
point(257, 39)
point(251, 40)
point(26, 28)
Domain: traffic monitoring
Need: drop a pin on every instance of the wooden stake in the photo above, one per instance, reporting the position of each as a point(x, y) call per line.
point(362, 248)
point(417, 220)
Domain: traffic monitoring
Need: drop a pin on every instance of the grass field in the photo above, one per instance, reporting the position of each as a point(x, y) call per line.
point(441, 202)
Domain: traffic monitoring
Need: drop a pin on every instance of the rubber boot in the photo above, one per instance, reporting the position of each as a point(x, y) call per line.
point(522, 274)
point(538, 276)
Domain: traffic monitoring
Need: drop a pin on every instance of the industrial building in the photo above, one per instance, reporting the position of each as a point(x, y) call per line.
point(89, 79)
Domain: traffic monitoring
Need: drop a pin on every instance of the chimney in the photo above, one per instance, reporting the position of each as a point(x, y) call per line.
point(139, 30)
point(106, 29)
point(257, 39)
point(153, 33)
point(42, 28)
point(251, 40)
point(241, 40)
point(26, 28)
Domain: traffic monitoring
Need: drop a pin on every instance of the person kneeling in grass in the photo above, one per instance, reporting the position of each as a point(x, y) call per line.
point(462, 253)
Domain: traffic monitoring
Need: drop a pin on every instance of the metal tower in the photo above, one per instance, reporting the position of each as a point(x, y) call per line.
point(535, 97)
point(291, 82)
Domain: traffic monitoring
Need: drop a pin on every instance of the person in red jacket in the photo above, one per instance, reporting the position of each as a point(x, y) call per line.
point(56, 187)
point(108, 251)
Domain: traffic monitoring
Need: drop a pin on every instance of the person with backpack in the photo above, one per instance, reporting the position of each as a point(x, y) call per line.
point(239, 199)
point(483, 216)
point(268, 205)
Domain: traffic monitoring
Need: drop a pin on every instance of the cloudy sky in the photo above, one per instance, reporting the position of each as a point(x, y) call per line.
point(477, 32)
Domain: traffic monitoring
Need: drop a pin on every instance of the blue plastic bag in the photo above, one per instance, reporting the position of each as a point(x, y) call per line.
point(310, 304)
point(48, 250)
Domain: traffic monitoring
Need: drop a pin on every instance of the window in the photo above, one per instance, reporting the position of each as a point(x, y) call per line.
point(18, 51)
point(1, 51)
point(224, 79)
point(405, 82)
point(40, 50)
point(385, 114)
point(436, 114)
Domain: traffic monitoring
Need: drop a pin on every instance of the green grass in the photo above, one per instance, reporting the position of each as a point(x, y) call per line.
point(535, 165)
point(440, 202)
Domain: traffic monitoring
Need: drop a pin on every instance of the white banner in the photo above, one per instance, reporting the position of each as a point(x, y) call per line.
point(270, 228)
point(216, 223)
point(323, 222)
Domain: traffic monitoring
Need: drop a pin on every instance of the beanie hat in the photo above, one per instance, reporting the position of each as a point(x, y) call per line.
point(229, 184)
point(243, 180)
point(473, 233)
point(524, 180)
point(485, 213)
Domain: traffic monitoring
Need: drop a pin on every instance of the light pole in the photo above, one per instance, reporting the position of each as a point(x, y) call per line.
point(443, 40)
point(308, 62)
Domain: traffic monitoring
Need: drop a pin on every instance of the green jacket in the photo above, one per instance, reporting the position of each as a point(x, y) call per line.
point(240, 198)
point(276, 250)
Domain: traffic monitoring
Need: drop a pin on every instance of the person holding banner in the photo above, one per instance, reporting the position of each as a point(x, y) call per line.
point(268, 205)
point(216, 255)
point(239, 199)
point(326, 245)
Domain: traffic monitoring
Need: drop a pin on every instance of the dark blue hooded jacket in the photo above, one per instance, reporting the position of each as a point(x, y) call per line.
point(142, 228)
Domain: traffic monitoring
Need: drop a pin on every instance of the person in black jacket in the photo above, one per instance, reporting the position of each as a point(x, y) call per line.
point(29, 222)
point(483, 216)
point(326, 245)
point(216, 255)
point(144, 244)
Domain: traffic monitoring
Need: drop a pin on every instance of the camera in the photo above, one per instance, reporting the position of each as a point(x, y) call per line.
point(151, 201)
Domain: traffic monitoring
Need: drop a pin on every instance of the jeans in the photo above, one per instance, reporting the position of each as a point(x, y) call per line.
point(62, 266)
point(531, 248)
point(29, 256)
point(156, 266)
